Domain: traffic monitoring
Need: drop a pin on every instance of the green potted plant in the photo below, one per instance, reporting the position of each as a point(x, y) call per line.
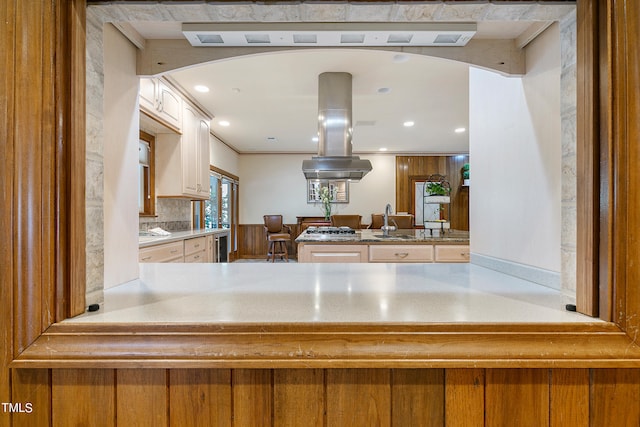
point(436, 189)
point(326, 197)
point(465, 175)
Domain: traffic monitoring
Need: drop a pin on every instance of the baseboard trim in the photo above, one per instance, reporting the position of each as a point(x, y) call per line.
point(548, 278)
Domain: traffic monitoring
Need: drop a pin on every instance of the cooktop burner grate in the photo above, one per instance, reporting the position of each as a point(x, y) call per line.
point(330, 230)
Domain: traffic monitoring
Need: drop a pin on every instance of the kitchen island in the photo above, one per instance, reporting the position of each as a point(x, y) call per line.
point(357, 246)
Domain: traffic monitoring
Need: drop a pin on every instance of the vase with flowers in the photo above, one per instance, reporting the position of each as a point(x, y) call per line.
point(326, 197)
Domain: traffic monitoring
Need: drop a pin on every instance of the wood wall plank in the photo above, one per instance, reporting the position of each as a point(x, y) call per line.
point(459, 209)
point(517, 397)
point(142, 397)
point(358, 397)
point(7, 80)
point(253, 397)
point(29, 188)
point(200, 397)
point(31, 388)
point(299, 397)
point(464, 397)
point(626, 131)
point(83, 397)
point(588, 167)
point(74, 120)
point(417, 397)
point(569, 392)
point(615, 398)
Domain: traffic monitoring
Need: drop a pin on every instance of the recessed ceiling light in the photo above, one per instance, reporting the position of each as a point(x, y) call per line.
point(201, 88)
point(383, 149)
point(408, 124)
point(460, 130)
point(271, 139)
point(224, 123)
point(384, 90)
point(235, 89)
point(315, 139)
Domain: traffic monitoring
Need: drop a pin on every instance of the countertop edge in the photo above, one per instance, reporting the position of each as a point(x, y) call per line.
point(182, 235)
point(366, 237)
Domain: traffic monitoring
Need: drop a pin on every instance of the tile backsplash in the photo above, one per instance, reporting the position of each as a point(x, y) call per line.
point(171, 215)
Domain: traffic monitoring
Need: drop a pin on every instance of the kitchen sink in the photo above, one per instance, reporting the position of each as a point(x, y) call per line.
point(394, 236)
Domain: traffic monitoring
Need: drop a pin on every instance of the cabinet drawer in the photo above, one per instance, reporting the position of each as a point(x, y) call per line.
point(400, 253)
point(195, 245)
point(196, 257)
point(162, 253)
point(332, 253)
point(452, 253)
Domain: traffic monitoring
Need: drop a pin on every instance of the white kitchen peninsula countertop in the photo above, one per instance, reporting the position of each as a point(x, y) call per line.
point(328, 293)
point(145, 241)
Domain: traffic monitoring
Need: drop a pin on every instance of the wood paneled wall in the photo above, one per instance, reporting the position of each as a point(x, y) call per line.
point(252, 242)
point(410, 168)
point(328, 397)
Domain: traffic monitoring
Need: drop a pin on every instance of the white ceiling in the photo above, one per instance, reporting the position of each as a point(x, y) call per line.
point(274, 95)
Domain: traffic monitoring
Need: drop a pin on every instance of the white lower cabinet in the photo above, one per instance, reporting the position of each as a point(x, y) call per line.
point(452, 253)
point(167, 252)
point(190, 249)
point(333, 253)
point(195, 250)
point(211, 248)
point(400, 253)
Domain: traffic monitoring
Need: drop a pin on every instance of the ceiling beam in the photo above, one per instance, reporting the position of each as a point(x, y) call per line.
point(164, 56)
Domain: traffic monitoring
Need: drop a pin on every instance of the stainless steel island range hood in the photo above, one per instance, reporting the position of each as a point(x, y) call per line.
point(334, 160)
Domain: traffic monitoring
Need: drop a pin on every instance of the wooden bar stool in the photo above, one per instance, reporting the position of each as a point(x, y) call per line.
point(278, 248)
point(278, 235)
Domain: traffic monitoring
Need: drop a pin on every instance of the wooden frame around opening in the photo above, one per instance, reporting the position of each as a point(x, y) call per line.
point(45, 267)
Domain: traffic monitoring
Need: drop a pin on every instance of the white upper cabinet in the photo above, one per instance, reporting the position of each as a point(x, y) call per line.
point(148, 94)
point(182, 161)
point(161, 102)
point(204, 189)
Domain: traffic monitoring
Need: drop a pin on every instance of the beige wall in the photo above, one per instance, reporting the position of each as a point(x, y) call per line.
point(121, 119)
point(274, 184)
point(515, 199)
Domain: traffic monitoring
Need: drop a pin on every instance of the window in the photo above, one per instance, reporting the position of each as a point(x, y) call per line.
point(205, 212)
point(218, 210)
point(211, 205)
point(339, 190)
point(146, 175)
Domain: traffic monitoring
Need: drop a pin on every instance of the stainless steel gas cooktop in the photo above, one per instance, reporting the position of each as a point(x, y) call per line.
point(330, 230)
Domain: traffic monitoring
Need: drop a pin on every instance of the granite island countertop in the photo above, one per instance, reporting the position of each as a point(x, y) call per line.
point(408, 236)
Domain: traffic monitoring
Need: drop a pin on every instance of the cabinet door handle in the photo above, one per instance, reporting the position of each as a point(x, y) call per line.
point(174, 251)
point(464, 254)
point(196, 245)
point(402, 254)
point(196, 257)
point(147, 258)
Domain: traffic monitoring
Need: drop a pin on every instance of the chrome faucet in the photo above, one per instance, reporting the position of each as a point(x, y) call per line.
point(386, 228)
